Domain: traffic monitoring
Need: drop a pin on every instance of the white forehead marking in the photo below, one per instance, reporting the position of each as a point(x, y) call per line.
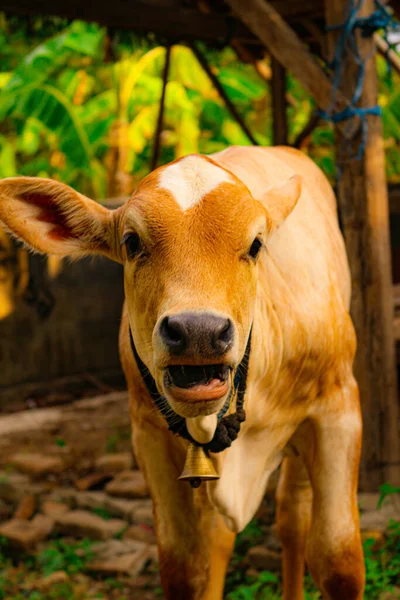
point(190, 179)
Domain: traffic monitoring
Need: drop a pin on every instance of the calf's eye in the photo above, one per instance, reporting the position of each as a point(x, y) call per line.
point(133, 245)
point(255, 248)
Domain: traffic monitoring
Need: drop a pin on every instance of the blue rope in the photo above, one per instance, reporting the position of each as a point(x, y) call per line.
point(379, 19)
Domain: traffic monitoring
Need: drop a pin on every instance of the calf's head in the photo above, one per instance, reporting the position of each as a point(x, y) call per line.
point(190, 239)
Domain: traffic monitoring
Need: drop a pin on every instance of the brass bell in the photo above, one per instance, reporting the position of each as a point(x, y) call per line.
point(198, 467)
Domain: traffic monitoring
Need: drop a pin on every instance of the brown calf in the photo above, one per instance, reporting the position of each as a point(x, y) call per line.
point(218, 252)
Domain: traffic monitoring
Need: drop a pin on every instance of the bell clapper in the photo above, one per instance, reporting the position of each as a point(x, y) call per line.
point(195, 483)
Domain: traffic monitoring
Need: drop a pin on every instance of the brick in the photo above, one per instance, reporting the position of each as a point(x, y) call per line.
point(90, 500)
point(120, 557)
point(142, 533)
point(65, 495)
point(94, 480)
point(46, 583)
point(25, 534)
point(37, 464)
point(113, 463)
point(54, 509)
point(117, 507)
point(143, 513)
point(120, 507)
point(13, 486)
point(263, 559)
point(82, 523)
point(25, 508)
point(128, 484)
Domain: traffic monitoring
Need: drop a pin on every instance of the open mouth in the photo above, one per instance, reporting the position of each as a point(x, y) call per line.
point(197, 383)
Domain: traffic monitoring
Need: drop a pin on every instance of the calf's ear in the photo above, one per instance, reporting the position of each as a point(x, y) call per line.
point(280, 200)
point(53, 218)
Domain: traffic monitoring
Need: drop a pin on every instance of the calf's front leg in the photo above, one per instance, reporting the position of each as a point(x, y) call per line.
point(293, 516)
point(194, 543)
point(332, 453)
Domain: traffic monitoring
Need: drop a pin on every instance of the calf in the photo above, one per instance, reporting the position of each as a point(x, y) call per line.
point(237, 296)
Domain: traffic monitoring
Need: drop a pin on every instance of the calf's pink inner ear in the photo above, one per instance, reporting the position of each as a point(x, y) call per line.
point(53, 218)
point(50, 213)
point(280, 200)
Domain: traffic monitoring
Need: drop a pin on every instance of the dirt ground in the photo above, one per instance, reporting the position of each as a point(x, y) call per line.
point(76, 519)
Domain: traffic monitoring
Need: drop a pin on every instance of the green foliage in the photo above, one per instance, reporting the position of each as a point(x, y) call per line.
point(61, 555)
point(4, 559)
point(386, 490)
point(112, 443)
point(383, 566)
point(265, 587)
point(250, 536)
point(69, 112)
point(103, 513)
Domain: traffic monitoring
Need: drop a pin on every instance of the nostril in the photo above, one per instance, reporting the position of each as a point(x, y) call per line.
point(226, 333)
point(173, 333)
point(223, 336)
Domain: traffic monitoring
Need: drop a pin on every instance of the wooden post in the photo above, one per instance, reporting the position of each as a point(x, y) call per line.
point(279, 103)
point(160, 119)
point(362, 196)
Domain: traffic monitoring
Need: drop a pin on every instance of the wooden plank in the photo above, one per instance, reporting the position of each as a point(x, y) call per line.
point(293, 10)
point(279, 103)
point(362, 195)
point(174, 22)
point(121, 14)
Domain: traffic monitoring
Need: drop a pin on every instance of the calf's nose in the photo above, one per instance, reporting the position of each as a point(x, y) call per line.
point(203, 334)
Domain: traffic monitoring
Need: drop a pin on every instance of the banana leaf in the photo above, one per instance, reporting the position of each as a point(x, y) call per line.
point(48, 105)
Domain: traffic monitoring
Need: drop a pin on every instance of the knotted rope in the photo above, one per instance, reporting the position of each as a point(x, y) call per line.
point(379, 19)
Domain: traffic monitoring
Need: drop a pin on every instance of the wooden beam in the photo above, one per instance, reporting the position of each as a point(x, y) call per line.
point(307, 130)
point(362, 196)
point(279, 103)
point(383, 48)
point(284, 45)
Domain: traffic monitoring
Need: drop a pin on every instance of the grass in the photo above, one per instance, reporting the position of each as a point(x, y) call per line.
point(382, 573)
point(61, 556)
point(17, 581)
point(103, 513)
point(382, 566)
point(58, 556)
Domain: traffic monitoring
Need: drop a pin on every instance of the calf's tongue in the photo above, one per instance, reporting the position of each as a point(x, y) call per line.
point(202, 428)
